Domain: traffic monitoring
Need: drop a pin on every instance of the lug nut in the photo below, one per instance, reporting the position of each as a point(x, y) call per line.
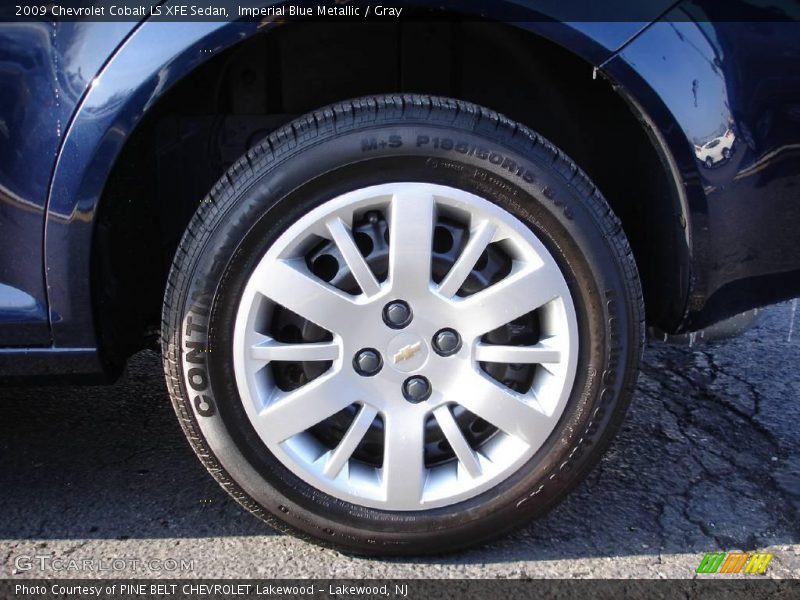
point(446, 342)
point(416, 389)
point(367, 362)
point(397, 314)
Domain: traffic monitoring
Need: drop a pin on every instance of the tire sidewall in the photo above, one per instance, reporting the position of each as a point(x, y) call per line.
point(272, 192)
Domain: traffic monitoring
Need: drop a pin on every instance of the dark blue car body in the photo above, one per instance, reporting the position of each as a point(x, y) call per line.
point(719, 98)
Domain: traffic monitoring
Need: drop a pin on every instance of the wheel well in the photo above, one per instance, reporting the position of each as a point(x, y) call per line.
point(187, 141)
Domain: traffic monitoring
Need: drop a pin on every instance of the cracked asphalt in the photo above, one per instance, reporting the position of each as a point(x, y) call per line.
point(708, 460)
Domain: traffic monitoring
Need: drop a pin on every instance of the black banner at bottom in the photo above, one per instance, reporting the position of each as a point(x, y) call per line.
point(398, 589)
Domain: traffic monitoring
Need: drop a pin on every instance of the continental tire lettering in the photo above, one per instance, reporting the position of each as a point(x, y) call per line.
point(195, 354)
point(192, 326)
point(201, 301)
point(203, 405)
point(198, 379)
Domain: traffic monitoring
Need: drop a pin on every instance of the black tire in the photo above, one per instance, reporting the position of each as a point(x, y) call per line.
point(331, 151)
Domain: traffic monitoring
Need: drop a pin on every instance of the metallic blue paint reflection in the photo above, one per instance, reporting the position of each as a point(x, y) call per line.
point(154, 58)
point(726, 96)
point(696, 83)
point(45, 69)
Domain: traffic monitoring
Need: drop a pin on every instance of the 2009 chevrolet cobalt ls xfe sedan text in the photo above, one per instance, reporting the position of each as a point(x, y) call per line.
point(401, 270)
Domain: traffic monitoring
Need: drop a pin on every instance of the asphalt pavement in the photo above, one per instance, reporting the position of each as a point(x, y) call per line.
point(708, 460)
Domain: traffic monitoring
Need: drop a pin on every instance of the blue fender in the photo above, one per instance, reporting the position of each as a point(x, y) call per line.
point(722, 97)
point(151, 61)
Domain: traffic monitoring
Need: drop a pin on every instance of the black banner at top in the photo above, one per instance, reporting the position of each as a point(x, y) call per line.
point(427, 10)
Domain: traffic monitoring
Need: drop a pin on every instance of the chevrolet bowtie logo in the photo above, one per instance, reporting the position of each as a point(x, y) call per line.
point(406, 352)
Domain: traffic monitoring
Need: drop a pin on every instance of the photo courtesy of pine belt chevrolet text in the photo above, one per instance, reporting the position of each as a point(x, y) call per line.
point(400, 261)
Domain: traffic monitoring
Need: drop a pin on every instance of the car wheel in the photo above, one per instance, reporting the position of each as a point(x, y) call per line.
point(402, 325)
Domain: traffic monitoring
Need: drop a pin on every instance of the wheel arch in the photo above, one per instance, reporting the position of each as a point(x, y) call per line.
point(153, 63)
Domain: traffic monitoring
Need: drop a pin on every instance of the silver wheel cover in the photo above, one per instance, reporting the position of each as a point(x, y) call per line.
point(404, 482)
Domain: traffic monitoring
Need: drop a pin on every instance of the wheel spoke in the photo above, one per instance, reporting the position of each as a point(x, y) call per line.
point(343, 238)
point(410, 240)
point(392, 333)
point(403, 471)
point(293, 412)
point(510, 298)
point(505, 409)
point(517, 354)
point(350, 441)
point(479, 239)
point(466, 456)
point(307, 296)
point(270, 350)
